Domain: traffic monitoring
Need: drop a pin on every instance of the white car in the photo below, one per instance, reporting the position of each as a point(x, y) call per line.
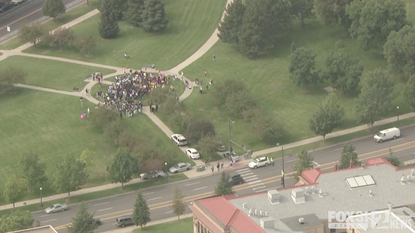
point(56, 208)
point(192, 153)
point(180, 167)
point(259, 162)
point(17, 2)
point(179, 139)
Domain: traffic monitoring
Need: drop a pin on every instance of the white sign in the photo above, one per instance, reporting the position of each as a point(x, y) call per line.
point(8, 28)
point(364, 220)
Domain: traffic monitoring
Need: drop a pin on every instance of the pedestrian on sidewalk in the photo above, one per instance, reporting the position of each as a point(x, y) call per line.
point(221, 164)
point(213, 169)
point(87, 92)
point(218, 166)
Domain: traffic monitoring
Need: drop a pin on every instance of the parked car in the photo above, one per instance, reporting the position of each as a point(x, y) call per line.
point(56, 208)
point(259, 162)
point(5, 6)
point(192, 153)
point(95, 221)
point(236, 179)
point(124, 221)
point(232, 156)
point(387, 134)
point(17, 2)
point(179, 139)
point(180, 167)
point(152, 174)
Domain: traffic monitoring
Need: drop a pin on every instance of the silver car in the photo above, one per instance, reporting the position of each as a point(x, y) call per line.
point(56, 208)
point(180, 167)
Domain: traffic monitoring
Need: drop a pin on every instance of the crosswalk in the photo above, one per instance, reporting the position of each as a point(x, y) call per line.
point(252, 180)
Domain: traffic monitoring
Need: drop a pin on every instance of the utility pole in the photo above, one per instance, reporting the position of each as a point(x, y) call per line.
point(230, 135)
point(282, 172)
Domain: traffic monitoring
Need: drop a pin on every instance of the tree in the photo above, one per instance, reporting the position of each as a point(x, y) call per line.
point(343, 72)
point(153, 164)
point(327, 117)
point(15, 190)
point(240, 101)
point(373, 21)
point(304, 162)
point(302, 66)
point(267, 128)
point(392, 159)
point(53, 8)
point(333, 12)
point(177, 203)
point(224, 187)
point(135, 11)
point(69, 175)
point(208, 144)
point(141, 213)
point(399, 50)
point(108, 27)
point(302, 9)
point(61, 37)
point(349, 156)
point(87, 158)
point(197, 129)
point(31, 33)
point(16, 220)
point(409, 92)
point(154, 17)
point(293, 47)
point(83, 222)
point(10, 77)
point(85, 44)
point(375, 97)
point(123, 167)
point(230, 26)
point(33, 170)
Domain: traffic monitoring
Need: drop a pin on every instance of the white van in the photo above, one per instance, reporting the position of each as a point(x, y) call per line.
point(387, 134)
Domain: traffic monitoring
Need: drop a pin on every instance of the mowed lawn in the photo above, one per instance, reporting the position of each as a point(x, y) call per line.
point(50, 126)
point(182, 226)
point(190, 25)
point(52, 74)
point(269, 82)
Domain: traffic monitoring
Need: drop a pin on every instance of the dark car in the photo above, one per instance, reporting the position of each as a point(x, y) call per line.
point(5, 6)
point(236, 179)
point(95, 221)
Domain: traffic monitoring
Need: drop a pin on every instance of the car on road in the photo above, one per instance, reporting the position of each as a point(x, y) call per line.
point(152, 174)
point(180, 167)
point(232, 156)
point(236, 179)
point(124, 221)
point(56, 208)
point(259, 162)
point(5, 6)
point(17, 2)
point(95, 221)
point(179, 139)
point(192, 153)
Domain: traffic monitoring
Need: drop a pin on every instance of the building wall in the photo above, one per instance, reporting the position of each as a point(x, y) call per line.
point(316, 229)
point(202, 223)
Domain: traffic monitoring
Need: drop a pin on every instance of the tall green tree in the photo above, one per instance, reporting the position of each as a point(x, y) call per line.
point(10, 77)
point(83, 222)
point(199, 128)
point(16, 220)
point(87, 157)
point(108, 27)
point(375, 97)
point(141, 213)
point(409, 92)
point(302, 9)
point(230, 26)
point(304, 162)
point(328, 116)
point(224, 187)
point(69, 175)
point(154, 17)
point(53, 8)
point(343, 71)
point(31, 33)
point(349, 154)
point(123, 167)
point(399, 50)
point(302, 68)
point(177, 203)
point(134, 14)
point(15, 190)
point(333, 12)
point(61, 37)
point(33, 170)
point(373, 21)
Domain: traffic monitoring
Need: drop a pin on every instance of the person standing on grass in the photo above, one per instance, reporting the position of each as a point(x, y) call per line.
point(207, 87)
point(205, 72)
point(214, 57)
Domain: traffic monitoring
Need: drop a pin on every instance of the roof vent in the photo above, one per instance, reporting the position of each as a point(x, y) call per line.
point(403, 180)
point(244, 205)
point(321, 193)
point(370, 193)
point(390, 207)
point(267, 223)
point(298, 196)
point(274, 197)
point(413, 173)
point(301, 220)
point(307, 191)
point(408, 179)
point(313, 191)
point(250, 212)
point(256, 213)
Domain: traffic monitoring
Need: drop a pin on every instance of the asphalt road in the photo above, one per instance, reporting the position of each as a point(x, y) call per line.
point(258, 180)
point(26, 13)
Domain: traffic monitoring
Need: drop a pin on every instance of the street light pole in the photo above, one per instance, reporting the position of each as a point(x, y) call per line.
point(167, 171)
point(397, 107)
point(41, 198)
point(282, 170)
point(230, 135)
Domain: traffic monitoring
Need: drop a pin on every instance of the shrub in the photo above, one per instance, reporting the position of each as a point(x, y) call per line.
point(198, 129)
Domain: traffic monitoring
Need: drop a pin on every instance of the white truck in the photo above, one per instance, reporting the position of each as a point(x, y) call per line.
point(387, 134)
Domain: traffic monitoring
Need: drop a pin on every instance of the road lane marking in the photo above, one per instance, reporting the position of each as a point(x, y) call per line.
point(243, 169)
point(250, 176)
point(244, 172)
point(45, 215)
point(104, 203)
point(192, 184)
point(315, 163)
point(260, 187)
point(50, 220)
point(152, 199)
point(254, 185)
point(17, 20)
point(169, 212)
point(199, 188)
point(148, 193)
point(104, 209)
point(253, 182)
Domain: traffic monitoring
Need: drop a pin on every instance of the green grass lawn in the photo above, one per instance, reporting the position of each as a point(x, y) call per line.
point(190, 25)
point(269, 82)
point(49, 125)
point(183, 226)
point(52, 74)
point(50, 25)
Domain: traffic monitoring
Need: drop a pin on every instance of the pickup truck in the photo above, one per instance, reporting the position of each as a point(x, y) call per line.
point(259, 162)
